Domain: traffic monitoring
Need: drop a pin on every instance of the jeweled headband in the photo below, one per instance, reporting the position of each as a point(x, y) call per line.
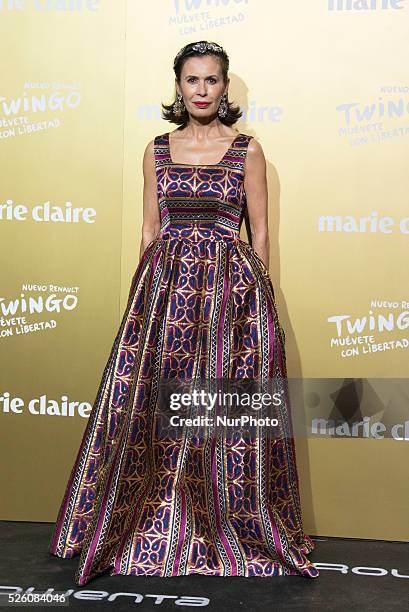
point(201, 47)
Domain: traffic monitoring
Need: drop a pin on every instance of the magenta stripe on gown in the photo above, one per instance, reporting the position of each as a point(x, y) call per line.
point(201, 304)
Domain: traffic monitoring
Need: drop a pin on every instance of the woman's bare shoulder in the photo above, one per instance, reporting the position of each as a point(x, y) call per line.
point(254, 149)
point(149, 157)
point(150, 147)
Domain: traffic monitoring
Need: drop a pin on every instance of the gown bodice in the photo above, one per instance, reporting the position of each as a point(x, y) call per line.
point(209, 196)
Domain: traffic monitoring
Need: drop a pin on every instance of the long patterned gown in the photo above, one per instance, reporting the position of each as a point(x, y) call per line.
point(201, 304)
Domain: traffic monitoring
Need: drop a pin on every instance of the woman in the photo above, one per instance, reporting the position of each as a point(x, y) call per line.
point(201, 306)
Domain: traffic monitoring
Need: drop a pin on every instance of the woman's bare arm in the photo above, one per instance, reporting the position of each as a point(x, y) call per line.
point(255, 185)
point(151, 214)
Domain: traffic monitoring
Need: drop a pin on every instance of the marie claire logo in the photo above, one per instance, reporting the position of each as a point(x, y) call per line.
point(354, 335)
point(14, 120)
point(46, 213)
point(91, 595)
point(44, 406)
point(368, 224)
point(13, 312)
point(364, 5)
point(193, 17)
point(366, 428)
point(50, 5)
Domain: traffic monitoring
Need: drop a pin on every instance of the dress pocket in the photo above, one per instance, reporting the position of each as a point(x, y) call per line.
point(257, 256)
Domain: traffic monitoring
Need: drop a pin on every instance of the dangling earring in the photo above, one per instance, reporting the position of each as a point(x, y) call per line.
point(179, 106)
point(223, 107)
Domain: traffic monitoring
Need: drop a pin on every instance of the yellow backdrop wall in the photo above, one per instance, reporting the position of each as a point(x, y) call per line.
point(322, 86)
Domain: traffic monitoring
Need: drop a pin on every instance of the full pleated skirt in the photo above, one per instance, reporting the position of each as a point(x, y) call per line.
point(137, 503)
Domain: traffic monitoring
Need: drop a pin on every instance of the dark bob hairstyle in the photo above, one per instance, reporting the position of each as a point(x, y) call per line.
point(200, 48)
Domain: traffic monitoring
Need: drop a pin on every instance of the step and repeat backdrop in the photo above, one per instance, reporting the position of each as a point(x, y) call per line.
point(323, 87)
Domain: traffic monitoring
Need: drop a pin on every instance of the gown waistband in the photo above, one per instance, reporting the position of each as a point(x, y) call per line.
point(197, 231)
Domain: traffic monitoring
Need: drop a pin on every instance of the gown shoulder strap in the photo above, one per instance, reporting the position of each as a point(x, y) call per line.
point(236, 155)
point(161, 150)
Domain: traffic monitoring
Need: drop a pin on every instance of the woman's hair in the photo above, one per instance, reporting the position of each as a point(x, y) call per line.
point(200, 48)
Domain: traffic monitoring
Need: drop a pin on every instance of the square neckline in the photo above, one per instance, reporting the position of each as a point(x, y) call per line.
point(200, 165)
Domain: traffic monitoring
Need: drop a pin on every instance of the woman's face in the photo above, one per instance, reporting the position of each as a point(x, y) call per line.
point(201, 80)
